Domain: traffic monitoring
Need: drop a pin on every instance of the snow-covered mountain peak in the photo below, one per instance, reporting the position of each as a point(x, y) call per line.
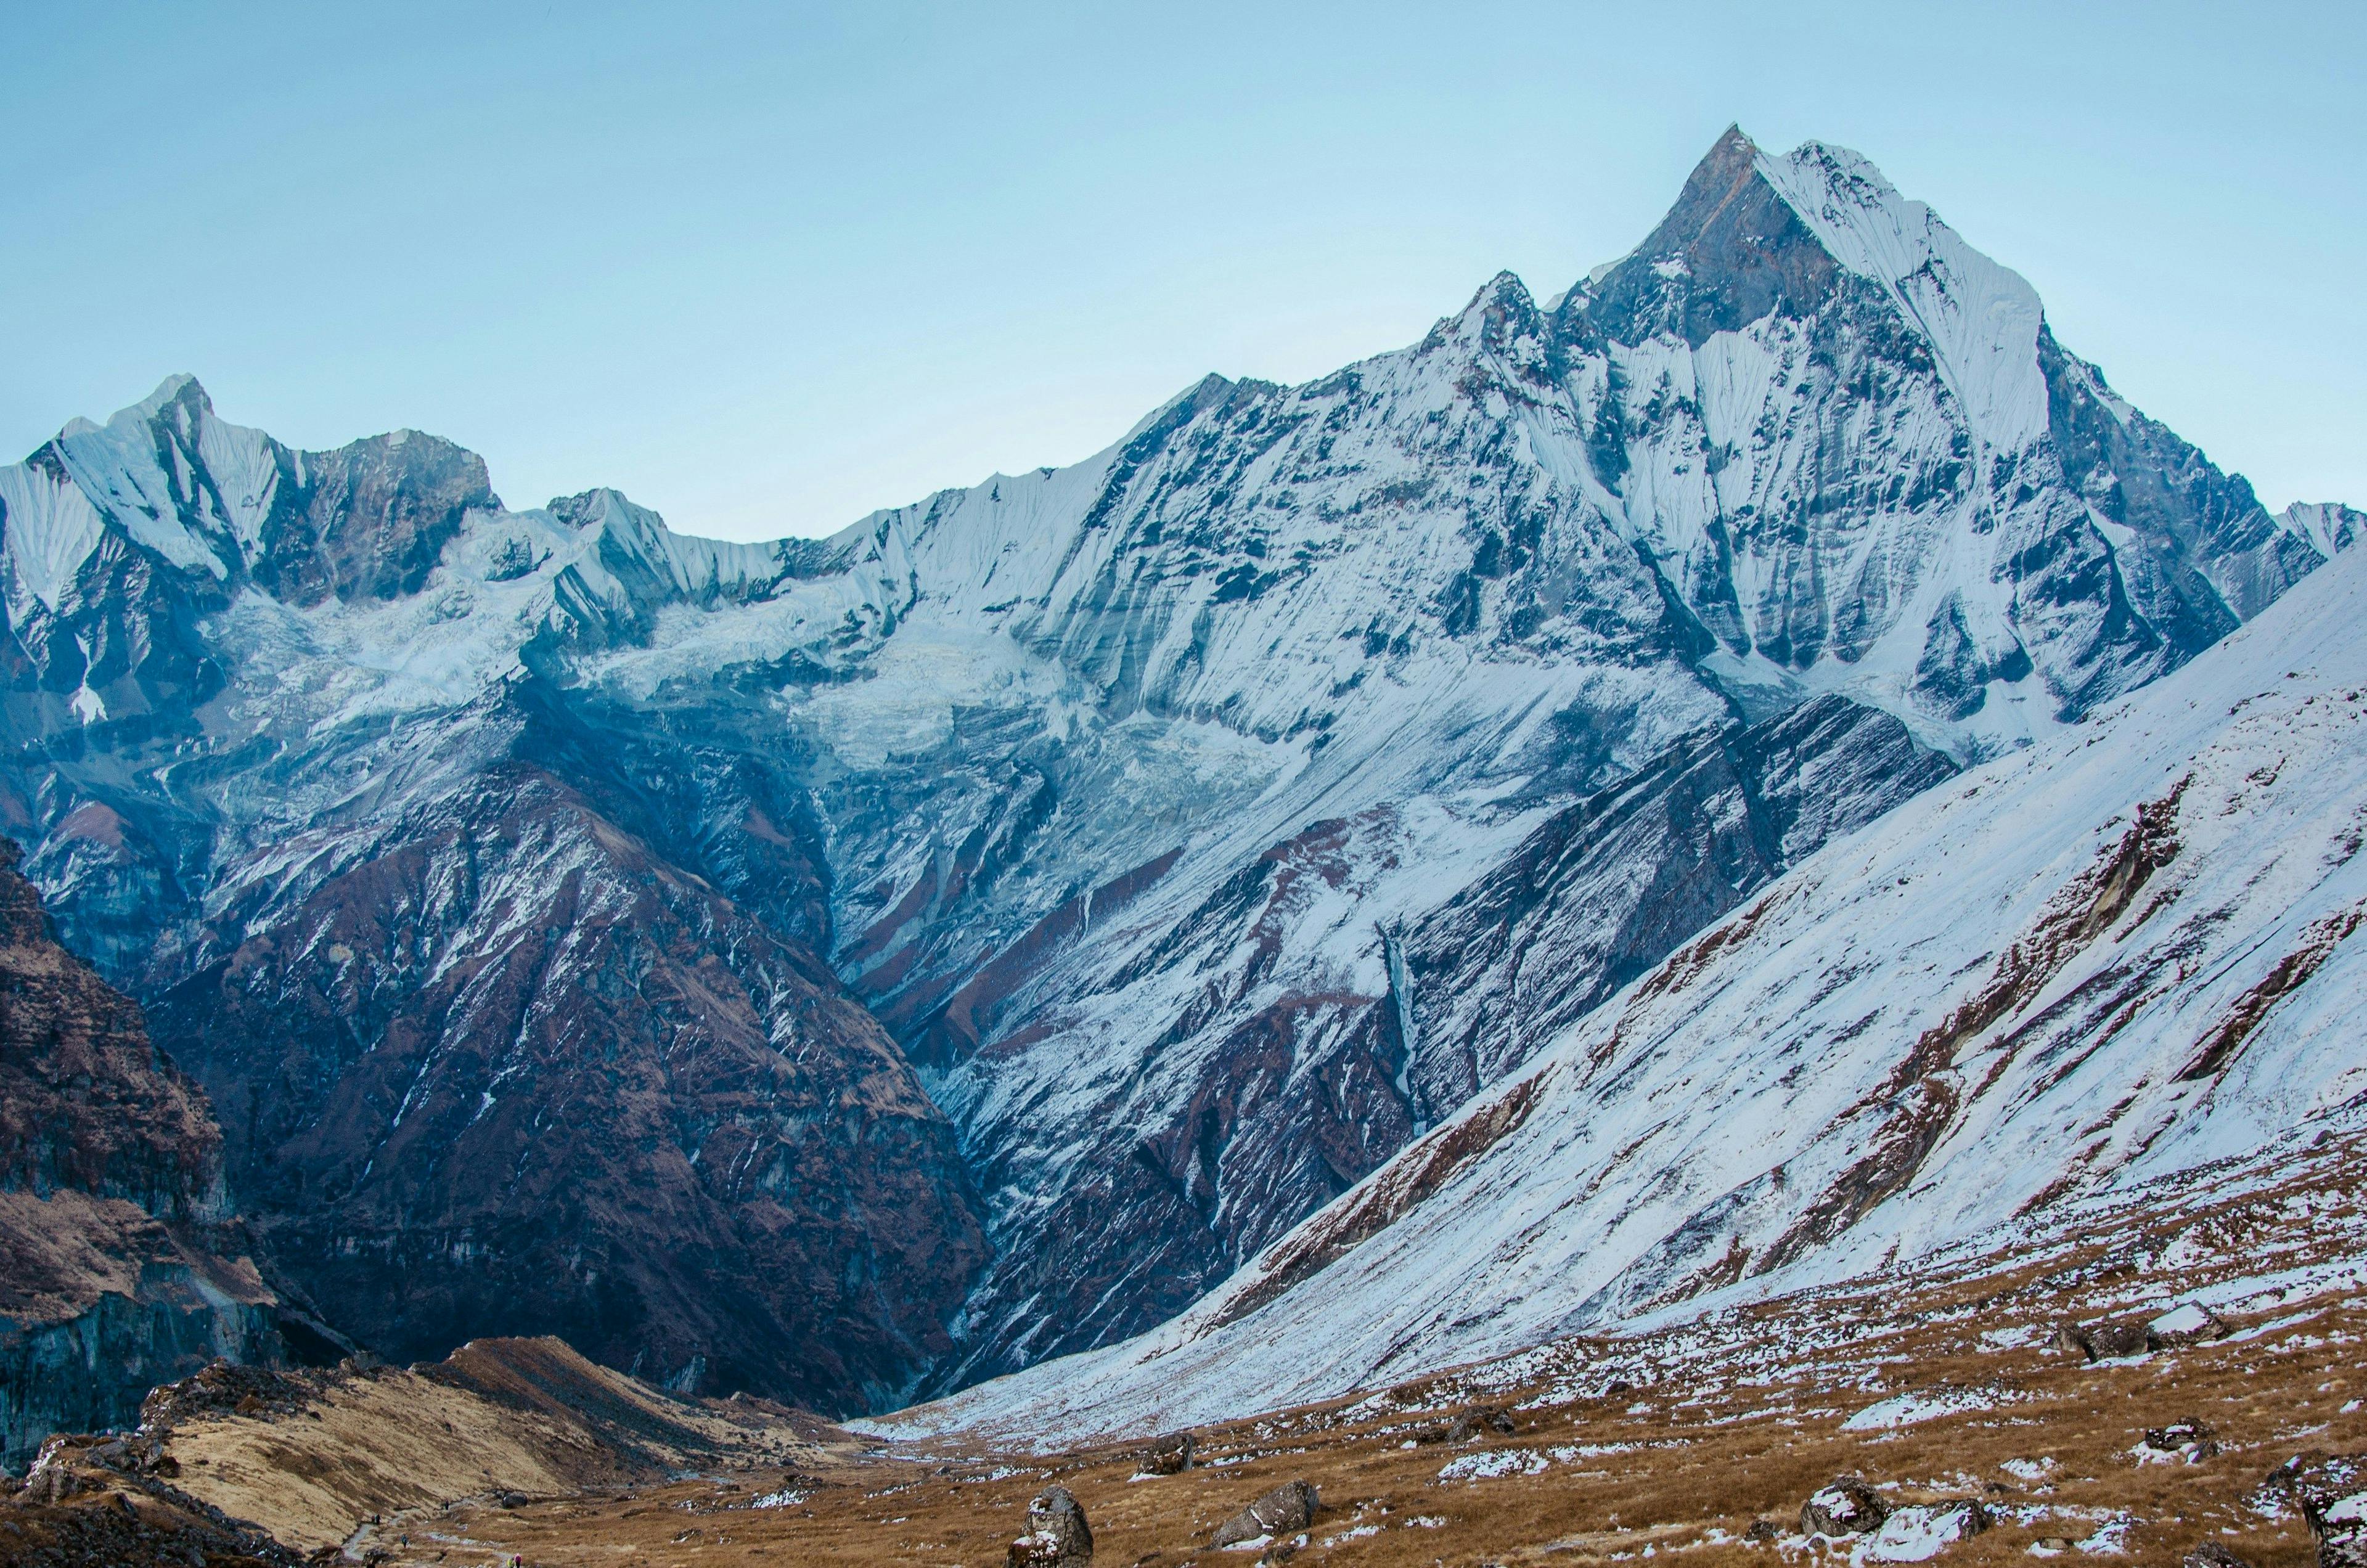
point(1159, 805)
point(1982, 318)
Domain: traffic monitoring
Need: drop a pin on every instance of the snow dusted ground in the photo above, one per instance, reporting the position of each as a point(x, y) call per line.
point(2068, 974)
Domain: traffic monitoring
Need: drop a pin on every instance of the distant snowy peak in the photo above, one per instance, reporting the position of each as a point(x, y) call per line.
point(2328, 526)
point(1754, 232)
point(369, 519)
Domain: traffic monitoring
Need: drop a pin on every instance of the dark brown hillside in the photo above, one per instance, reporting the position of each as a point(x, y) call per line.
point(119, 1264)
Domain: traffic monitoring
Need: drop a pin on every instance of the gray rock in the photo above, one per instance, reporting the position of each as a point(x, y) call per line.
point(1945, 1522)
point(2189, 1324)
point(2189, 1438)
point(1846, 1506)
point(1289, 1507)
point(1167, 1456)
point(2211, 1554)
point(1473, 1423)
point(2332, 1493)
point(1057, 1536)
point(2102, 1341)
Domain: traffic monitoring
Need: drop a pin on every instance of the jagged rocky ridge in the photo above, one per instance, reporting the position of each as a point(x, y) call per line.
point(875, 963)
point(121, 1263)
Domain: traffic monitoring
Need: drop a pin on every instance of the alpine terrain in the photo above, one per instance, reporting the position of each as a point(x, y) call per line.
point(847, 970)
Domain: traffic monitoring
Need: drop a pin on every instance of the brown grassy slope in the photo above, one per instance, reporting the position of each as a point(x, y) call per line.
point(1695, 1432)
point(499, 1416)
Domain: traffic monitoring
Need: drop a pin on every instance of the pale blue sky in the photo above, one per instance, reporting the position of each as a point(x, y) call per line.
point(765, 267)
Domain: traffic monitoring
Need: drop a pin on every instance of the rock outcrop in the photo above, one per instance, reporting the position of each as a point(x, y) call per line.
point(1922, 1531)
point(2188, 1323)
point(92, 1500)
point(1057, 1536)
point(2332, 1492)
point(1169, 1456)
point(121, 1265)
point(1844, 1507)
point(2187, 1439)
point(1287, 1509)
point(2102, 1341)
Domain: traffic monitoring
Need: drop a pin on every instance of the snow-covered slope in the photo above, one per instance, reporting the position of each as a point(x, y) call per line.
point(1140, 801)
point(2125, 952)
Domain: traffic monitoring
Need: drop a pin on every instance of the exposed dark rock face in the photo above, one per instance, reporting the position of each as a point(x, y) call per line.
point(1730, 253)
point(500, 1068)
point(97, 1500)
point(1609, 886)
point(86, 1101)
point(121, 1265)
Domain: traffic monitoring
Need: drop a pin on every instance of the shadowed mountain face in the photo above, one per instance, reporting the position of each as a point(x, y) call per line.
point(836, 968)
point(121, 1264)
point(605, 1101)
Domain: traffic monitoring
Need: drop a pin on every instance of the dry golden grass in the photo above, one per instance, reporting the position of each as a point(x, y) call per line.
point(483, 1423)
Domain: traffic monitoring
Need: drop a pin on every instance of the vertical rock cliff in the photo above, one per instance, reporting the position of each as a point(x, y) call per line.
point(121, 1264)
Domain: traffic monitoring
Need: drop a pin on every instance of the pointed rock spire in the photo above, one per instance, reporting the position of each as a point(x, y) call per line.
point(1729, 251)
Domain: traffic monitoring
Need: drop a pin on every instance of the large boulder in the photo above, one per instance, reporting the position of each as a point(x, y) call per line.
point(1288, 1508)
point(1057, 1536)
point(1169, 1456)
point(2188, 1323)
point(1846, 1506)
point(2332, 1493)
point(2211, 1554)
point(2187, 1439)
point(1475, 1423)
point(2102, 1341)
point(2341, 1528)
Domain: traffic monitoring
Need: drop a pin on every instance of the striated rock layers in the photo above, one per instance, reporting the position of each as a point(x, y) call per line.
point(121, 1265)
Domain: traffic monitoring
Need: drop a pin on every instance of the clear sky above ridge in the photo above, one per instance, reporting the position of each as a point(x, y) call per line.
point(765, 267)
